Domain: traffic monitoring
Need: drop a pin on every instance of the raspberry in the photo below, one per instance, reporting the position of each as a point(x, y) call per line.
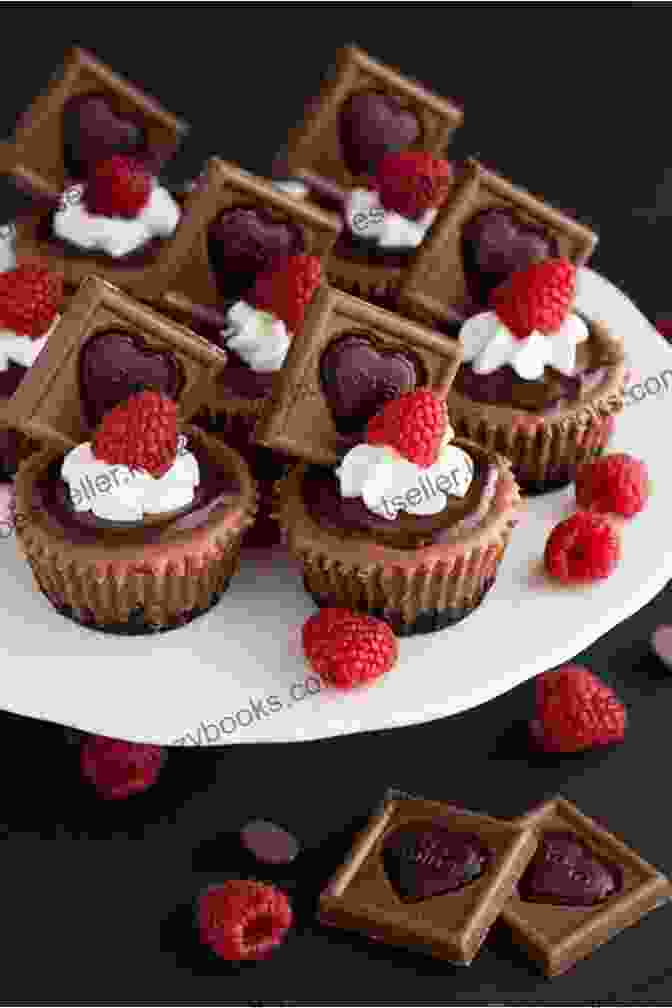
point(30, 297)
point(616, 483)
point(140, 433)
point(286, 286)
point(118, 187)
point(412, 182)
point(243, 920)
point(119, 769)
point(348, 649)
point(414, 424)
point(585, 547)
point(538, 297)
point(576, 711)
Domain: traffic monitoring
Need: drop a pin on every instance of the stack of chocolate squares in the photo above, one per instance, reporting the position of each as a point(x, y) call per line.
point(433, 876)
point(312, 319)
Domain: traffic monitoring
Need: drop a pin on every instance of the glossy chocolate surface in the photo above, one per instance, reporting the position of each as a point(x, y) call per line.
point(565, 872)
point(422, 862)
point(52, 495)
point(351, 517)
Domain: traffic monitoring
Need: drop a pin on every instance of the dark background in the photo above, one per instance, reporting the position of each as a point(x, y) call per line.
point(570, 101)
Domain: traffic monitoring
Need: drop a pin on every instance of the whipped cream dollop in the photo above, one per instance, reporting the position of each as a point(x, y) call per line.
point(488, 344)
point(259, 337)
point(22, 350)
point(7, 247)
point(117, 493)
point(366, 217)
point(292, 187)
point(389, 483)
point(116, 236)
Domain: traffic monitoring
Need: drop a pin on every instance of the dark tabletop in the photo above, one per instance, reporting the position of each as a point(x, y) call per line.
point(567, 100)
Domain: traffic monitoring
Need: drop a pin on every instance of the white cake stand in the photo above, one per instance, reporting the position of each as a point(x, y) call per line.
point(237, 674)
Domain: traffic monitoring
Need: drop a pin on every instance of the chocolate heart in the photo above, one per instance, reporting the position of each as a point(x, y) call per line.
point(424, 861)
point(565, 872)
point(92, 131)
point(496, 243)
point(358, 380)
point(242, 241)
point(374, 124)
point(113, 364)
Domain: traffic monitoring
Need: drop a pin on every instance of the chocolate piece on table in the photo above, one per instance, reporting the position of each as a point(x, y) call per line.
point(424, 874)
point(105, 343)
point(86, 113)
point(582, 887)
point(437, 278)
point(268, 843)
point(238, 222)
point(363, 111)
point(372, 356)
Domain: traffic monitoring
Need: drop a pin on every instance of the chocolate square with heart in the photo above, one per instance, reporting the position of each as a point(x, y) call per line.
point(581, 888)
point(428, 875)
point(86, 114)
point(348, 360)
point(366, 110)
point(105, 345)
point(237, 224)
point(486, 229)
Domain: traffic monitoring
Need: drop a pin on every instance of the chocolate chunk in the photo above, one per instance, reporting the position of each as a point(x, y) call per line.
point(582, 887)
point(270, 844)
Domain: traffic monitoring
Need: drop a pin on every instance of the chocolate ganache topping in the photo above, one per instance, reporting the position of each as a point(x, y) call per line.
point(351, 517)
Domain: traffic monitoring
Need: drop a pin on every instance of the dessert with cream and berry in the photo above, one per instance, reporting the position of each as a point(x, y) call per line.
point(385, 222)
point(539, 381)
point(146, 518)
point(372, 145)
point(118, 211)
point(410, 526)
point(30, 298)
point(257, 340)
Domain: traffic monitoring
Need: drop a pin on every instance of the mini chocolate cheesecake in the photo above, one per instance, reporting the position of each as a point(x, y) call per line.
point(418, 573)
point(136, 577)
point(549, 426)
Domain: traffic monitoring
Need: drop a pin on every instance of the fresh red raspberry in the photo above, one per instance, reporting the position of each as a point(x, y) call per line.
point(118, 187)
point(413, 424)
point(576, 711)
point(412, 182)
point(119, 769)
point(616, 484)
point(30, 297)
point(285, 287)
point(538, 297)
point(585, 547)
point(140, 433)
point(243, 920)
point(348, 649)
